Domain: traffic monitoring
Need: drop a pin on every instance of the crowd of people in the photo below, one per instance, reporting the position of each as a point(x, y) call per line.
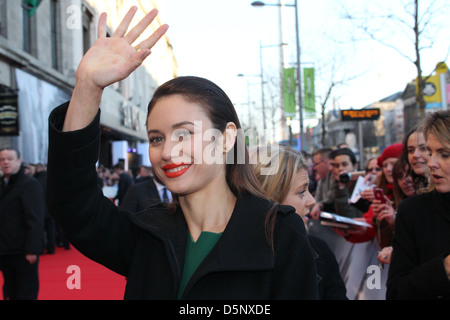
point(248, 225)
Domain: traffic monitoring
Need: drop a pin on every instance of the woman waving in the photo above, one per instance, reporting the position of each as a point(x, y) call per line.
point(221, 238)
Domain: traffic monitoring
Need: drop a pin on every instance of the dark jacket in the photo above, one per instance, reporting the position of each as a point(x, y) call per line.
point(329, 280)
point(22, 213)
point(140, 196)
point(341, 198)
point(125, 182)
point(148, 248)
point(421, 242)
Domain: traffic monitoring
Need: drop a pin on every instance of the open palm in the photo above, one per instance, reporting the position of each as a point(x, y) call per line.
point(112, 59)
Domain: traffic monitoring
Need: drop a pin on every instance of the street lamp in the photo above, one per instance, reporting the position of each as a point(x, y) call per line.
point(263, 103)
point(262, 74)
point(300, 99)
point(262, 95)
point(249, 103)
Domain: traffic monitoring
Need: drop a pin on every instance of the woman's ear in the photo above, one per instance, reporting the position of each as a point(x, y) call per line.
point(229, 137)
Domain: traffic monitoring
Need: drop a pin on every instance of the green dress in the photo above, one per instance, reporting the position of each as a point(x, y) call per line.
point(196, 252)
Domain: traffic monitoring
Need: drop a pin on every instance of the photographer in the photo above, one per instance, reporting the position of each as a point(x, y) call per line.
point(344, 162)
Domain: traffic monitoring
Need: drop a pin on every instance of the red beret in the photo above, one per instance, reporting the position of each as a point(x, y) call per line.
point(393, 151)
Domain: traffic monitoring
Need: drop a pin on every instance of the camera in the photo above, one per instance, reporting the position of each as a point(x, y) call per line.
point(351, 176)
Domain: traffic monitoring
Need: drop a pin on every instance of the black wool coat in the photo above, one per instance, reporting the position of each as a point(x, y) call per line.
point(22, 214)
point(421, 242)
point(148, 248)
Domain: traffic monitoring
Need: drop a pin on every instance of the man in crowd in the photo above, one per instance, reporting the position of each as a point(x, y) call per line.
point(22, 214)
point(125, 181)
point(325, 182)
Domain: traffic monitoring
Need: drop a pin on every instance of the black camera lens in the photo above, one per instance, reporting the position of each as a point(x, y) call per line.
point(344, 178)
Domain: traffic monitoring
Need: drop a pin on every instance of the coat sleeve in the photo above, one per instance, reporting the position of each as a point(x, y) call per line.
point(368, 235)
point(342, 204)
point(93, 224)
point(295, 273)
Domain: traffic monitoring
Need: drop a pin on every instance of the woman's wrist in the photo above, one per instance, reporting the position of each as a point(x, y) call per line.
point(83, 107)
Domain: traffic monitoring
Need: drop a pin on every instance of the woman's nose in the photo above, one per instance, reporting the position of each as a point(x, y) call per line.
point(432, 161)
point(310, 201)
point(167, 150)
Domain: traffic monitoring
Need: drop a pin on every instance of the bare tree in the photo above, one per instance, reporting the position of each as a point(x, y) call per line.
point(416, 26)
point(337, 78)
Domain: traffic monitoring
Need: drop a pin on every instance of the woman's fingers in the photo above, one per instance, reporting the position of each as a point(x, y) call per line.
point(138, 59)
point(134, 33)
point(102, 26)
point(123, 26)
point(143, 49)
point(151, 41)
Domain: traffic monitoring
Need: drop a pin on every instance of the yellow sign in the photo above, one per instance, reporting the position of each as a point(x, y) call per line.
point(441, 67)
point(432, 89)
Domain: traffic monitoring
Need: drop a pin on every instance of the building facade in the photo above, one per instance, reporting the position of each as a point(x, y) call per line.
point(39, 53)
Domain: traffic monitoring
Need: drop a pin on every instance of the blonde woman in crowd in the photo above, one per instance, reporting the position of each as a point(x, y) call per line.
point(288, 184)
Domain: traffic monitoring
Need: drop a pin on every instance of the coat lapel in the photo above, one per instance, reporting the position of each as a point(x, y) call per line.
point(243, 245)
point(170, 228)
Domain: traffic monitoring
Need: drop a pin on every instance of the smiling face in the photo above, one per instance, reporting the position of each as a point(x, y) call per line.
point(417, 153)
point(439, 163)
point(180, 158)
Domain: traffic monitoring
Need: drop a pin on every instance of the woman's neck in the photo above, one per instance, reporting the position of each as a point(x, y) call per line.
point(208, 210)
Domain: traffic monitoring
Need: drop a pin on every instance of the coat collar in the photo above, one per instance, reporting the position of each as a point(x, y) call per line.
point(242, 246)
point(11, 181)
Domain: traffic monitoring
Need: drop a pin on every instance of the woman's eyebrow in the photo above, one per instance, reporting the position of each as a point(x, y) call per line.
point(174, 126)
point(153, 131)
point(182, 123)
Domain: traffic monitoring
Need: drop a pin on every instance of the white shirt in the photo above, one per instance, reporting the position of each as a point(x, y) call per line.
point(160, 188)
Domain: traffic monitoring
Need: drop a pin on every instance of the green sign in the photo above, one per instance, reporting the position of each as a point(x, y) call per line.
point(310, 95)
point(289, 91)
point(31, 6)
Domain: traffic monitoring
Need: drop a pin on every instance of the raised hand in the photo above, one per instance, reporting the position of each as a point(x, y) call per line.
point(384, 210)
point(110, 60)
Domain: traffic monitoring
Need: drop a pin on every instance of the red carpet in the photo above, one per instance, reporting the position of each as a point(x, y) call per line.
point(97, 282)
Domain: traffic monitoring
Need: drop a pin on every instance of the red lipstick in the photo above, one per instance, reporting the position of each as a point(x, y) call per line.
point(174, 170)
